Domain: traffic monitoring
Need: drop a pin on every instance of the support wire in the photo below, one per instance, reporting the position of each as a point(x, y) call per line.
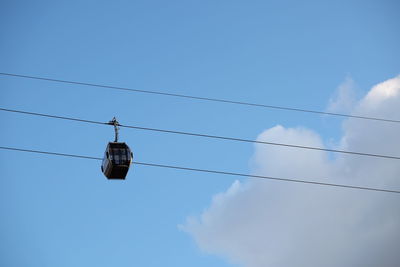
point(210, 171)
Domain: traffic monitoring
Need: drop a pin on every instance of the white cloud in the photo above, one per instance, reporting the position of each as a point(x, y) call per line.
point(267, 223)
point(344, 98)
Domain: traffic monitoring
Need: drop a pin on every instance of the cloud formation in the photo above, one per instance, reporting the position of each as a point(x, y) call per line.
point(344, 98)
point(266, 223)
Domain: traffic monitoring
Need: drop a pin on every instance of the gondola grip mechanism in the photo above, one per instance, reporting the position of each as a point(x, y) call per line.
point(116, 128)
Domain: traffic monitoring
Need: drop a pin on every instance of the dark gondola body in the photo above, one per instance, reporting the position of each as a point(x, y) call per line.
point(117, 160)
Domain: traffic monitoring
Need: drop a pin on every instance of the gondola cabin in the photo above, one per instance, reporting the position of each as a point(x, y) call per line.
point(117, 160)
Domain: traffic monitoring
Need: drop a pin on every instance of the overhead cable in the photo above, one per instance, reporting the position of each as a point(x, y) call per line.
point(206, 135)
point(209, 171)
point(210, 99)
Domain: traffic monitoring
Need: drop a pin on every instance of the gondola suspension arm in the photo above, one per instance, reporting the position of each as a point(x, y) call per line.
point(115, 123)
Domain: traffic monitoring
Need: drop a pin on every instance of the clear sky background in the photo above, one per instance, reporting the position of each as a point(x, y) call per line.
point(63, 212)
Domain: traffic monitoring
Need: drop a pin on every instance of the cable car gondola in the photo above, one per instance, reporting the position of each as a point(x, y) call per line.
point(117, 157)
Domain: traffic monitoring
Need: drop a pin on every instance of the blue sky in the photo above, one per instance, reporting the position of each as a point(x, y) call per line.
point(62, 211)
